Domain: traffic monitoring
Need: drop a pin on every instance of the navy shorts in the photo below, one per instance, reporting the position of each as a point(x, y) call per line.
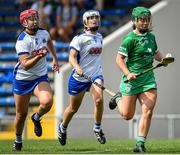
point(76, 87)
point(22, 87)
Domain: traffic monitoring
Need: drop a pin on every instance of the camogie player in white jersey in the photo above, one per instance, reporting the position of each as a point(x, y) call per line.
point(85, 58)
point(30, 73)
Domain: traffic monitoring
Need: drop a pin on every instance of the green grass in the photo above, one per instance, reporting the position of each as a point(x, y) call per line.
point(81, 146)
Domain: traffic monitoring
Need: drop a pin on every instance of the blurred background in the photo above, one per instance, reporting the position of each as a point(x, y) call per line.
point(115, 23)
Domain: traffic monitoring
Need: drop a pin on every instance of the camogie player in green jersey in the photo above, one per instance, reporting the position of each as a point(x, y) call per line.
point(136, 53)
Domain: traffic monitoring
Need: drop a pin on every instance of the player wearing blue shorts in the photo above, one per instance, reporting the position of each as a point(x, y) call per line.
point(30, 73)
point(85, 57)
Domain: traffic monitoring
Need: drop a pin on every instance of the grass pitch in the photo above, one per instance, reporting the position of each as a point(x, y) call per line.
point(89, 146)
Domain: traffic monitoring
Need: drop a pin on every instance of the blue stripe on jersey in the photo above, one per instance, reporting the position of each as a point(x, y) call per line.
point(74, 49)
point(15, 69)
point(23, 53)
point(41, 28)
point(21, 36)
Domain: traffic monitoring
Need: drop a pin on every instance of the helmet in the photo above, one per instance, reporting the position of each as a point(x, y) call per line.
point(25, 14)
point(140, 12)
point(89, 13)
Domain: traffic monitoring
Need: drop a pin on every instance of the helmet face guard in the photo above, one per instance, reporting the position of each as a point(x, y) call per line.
point(29, 14)
point(88, 15)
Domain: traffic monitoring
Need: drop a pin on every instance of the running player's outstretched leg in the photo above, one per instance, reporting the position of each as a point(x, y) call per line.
point(97, 95)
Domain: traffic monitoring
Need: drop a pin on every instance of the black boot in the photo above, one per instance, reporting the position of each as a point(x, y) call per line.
point(112, 102)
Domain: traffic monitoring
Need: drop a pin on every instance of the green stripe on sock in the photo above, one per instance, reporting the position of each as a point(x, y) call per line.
point(117, 99)
point(140, 140)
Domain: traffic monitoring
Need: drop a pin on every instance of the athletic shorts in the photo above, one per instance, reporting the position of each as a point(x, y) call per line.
point(141, 84)
point(76, 87)
point(22, 87)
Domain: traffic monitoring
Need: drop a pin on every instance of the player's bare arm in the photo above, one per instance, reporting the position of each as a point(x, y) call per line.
point(28, 61)
point(51, 49)
point(73, 61)
point(158, 56)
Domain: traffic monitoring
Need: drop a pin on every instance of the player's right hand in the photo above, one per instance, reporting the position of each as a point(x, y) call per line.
point(40, 52)
point(79, 71)
point(168, 55)
point(131, 76)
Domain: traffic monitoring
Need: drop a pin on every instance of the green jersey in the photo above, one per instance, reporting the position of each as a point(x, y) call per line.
point(140, 51)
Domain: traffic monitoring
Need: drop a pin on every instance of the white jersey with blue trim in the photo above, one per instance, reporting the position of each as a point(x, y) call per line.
point(27, 44)
point(89, 48)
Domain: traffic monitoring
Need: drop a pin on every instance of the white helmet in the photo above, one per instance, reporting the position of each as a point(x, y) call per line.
point(90, 13)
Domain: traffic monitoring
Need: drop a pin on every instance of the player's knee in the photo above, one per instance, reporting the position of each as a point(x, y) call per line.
point(73, 110)
point(46, 102)
point(99, 101)
point(126, 116)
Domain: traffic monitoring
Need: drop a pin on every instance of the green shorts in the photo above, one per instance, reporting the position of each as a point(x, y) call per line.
point(141, 84)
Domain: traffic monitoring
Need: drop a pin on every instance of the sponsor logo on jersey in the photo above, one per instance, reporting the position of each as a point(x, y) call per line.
point(95, 50)
point(87, 42)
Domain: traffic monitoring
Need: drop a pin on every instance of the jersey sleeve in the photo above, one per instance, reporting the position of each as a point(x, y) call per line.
point(22, 47)
point(125, 46)
point(75, 44)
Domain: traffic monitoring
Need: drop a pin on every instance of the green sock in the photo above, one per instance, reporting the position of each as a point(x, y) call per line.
point(140, 140)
